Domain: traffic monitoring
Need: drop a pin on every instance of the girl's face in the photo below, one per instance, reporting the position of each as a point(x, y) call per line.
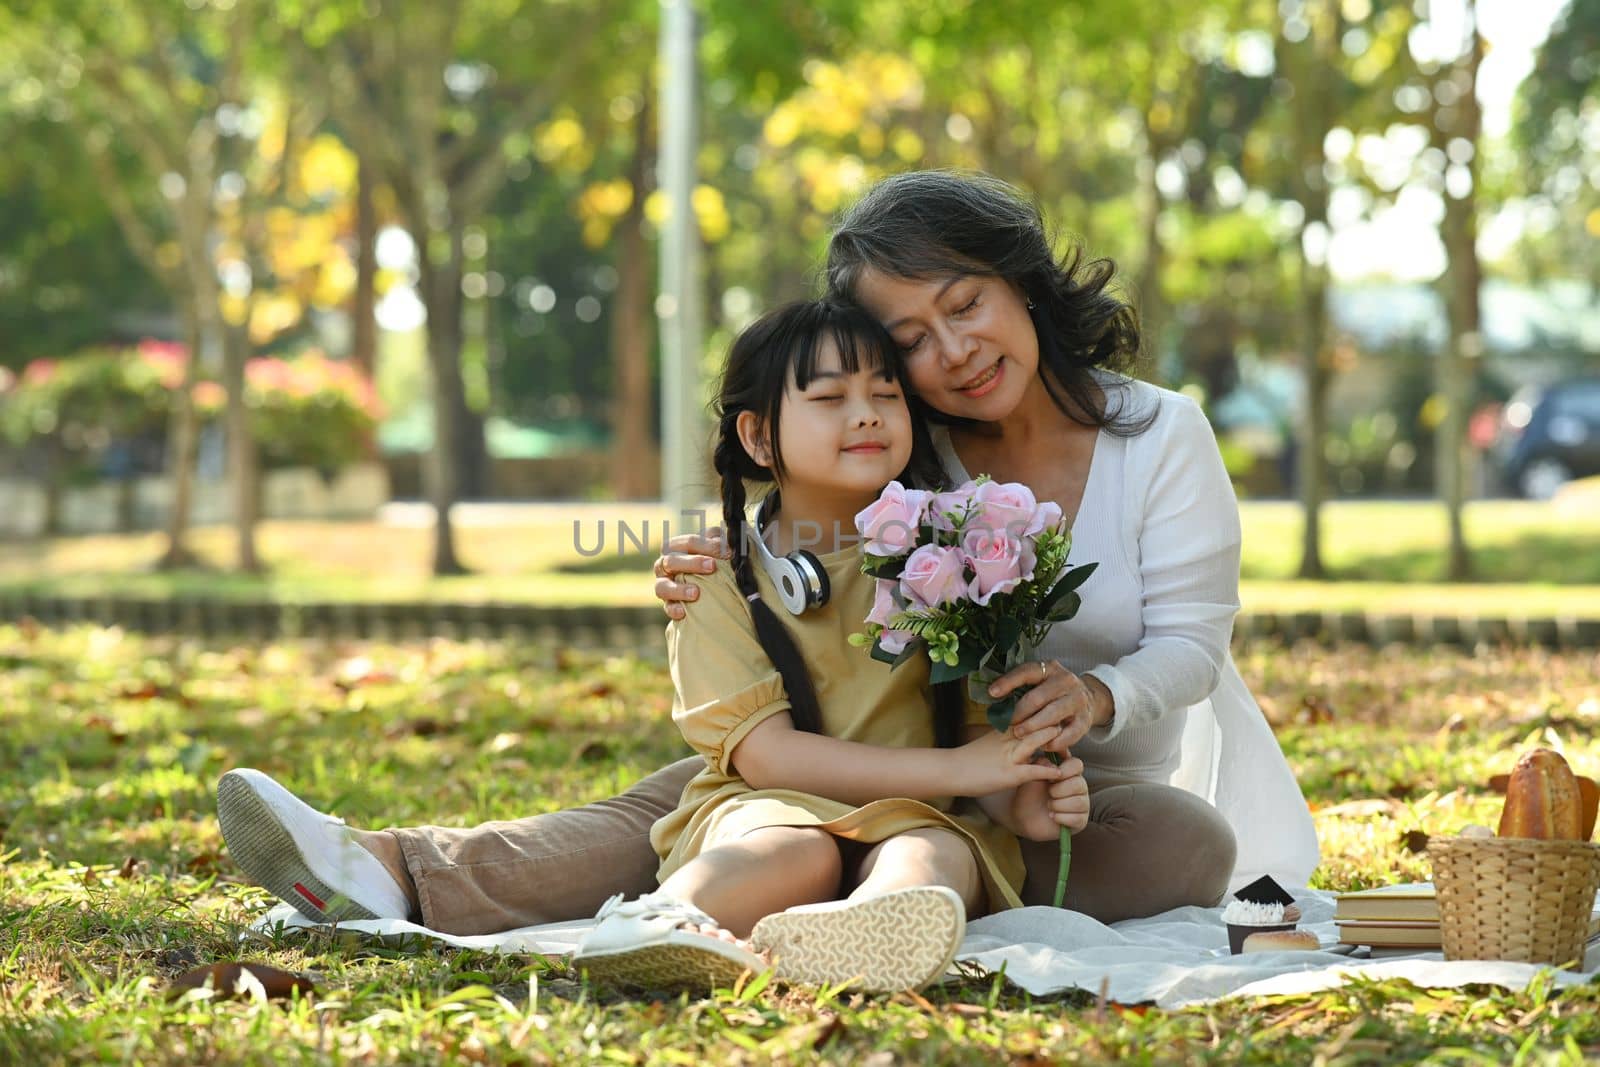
point(969, 345)
point(842, 433)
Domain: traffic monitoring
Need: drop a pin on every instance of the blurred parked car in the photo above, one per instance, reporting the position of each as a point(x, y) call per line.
point(1550, 435)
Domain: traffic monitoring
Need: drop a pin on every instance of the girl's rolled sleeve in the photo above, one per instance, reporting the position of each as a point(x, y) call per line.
point(724, 683)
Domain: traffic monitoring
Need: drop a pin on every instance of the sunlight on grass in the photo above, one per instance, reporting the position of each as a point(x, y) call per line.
point(114, 877)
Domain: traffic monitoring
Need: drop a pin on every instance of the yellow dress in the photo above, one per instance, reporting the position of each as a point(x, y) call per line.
point(726, 686)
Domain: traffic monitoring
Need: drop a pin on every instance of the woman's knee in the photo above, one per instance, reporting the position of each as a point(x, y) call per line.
point(1183, 836)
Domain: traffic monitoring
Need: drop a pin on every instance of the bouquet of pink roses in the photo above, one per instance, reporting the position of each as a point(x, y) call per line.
point(976, 576)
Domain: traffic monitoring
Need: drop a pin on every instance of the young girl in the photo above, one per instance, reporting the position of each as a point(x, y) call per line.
point(826, 774)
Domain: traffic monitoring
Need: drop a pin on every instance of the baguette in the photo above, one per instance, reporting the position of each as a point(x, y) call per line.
point(1542, 799)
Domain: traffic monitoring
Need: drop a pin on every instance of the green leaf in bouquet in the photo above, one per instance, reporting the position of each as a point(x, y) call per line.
point(1001, 710)
point(889, 567)
point(1007, 632)
point(1078, 575)
point(966, 662)
point(893, 659)
point(1067, 608)
point(927, 534)
point(1063, 587)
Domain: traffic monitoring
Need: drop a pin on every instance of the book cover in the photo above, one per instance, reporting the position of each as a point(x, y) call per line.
point(1407, 935)
point(1379, 933)
point(1405, 902)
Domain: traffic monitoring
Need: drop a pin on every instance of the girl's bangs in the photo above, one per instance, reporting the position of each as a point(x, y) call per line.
point(862, 344)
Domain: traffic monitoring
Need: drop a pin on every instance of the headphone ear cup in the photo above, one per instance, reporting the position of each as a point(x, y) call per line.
point(789, 576)
point(818, 590)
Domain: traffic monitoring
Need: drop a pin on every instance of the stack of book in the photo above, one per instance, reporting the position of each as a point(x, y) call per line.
point(1401, 916)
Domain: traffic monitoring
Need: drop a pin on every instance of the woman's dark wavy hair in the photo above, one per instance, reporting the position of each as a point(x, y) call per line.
point(783, 344)
point(935, 223)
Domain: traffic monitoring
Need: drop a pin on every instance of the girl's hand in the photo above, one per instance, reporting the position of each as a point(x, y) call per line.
point(999, 761)
point(1041, 810)
point(686, 554)
point(1058, 698)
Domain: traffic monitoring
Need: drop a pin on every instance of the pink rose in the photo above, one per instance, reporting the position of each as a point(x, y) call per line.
point(894, 642)
point(1009, 508)
point(1048, 516)
point(999, 563)
point(883, 604)
point(889, 524)
point(955, 502)
point(934, 575)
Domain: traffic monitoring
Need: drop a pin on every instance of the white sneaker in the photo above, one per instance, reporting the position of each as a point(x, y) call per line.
point(643, 943)
point(306, 858)
point(905, 939)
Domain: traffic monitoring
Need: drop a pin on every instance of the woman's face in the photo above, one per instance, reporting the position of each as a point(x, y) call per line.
point(969, 345)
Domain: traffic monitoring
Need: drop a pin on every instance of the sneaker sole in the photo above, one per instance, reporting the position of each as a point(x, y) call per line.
point(267, 852)
point(900, 941)
point(664, 967)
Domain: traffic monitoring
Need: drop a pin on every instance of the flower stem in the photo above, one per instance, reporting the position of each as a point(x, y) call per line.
point(1064, 866)
point(1065, 863)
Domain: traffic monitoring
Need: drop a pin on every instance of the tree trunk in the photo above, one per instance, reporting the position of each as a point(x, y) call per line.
point(364, 346)
point(1456, 368)
point(442, 292)
point(183, 440)
point(1311, 66)
point(1152, 311)
point(55, 473)
point(243, 466)
point(635, 472)
point(1312, 467)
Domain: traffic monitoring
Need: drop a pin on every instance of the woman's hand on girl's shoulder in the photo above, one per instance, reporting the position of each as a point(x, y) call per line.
point(686, 554)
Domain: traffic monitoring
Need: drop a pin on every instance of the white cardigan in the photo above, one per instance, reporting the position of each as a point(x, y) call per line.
point(1160, 518)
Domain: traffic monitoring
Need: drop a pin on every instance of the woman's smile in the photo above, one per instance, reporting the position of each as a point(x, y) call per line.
point(986, 382)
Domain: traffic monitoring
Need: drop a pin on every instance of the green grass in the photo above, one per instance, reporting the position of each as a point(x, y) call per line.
point(1532, 559)
point(115, 878)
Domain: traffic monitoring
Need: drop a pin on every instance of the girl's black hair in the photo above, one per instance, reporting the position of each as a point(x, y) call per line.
point(786, 344)
point(933, 223)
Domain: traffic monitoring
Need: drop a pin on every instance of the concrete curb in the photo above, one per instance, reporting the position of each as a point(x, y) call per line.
point(640, 628)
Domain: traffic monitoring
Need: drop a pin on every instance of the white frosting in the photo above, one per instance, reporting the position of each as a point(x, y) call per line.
point(1248, 913)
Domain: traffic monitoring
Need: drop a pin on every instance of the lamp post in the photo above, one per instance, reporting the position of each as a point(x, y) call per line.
point(678, 304)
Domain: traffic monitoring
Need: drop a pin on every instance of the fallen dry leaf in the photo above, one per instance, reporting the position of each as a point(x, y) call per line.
point(234, 979)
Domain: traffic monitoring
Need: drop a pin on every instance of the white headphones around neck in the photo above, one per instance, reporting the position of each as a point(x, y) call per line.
point(801, 579)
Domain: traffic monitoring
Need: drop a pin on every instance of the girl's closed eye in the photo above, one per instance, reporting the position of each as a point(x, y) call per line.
point(970, 305)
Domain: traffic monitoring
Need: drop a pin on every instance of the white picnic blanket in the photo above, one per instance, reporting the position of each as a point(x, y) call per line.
point(1179, 957)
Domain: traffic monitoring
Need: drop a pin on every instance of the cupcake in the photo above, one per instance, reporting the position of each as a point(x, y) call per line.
point(1246, 917)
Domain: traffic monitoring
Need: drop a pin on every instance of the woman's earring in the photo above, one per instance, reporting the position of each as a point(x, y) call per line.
point(1030, 303)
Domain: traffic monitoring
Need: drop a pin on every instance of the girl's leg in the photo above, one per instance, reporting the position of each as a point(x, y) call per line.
point(899, 929)
point(545, 868)
point(924, 856)
point(1148, 848)
point(765, 871)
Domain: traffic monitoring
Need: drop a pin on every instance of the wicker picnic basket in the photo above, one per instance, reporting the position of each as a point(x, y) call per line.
point(1515, 898)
